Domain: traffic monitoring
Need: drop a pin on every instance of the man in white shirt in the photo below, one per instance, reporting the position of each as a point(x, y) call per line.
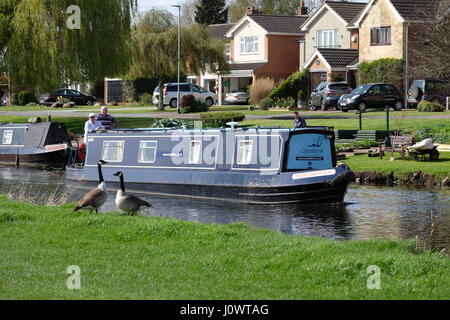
point(92, 125)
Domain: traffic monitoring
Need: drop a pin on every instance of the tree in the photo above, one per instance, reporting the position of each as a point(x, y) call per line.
point(429, 45)
point(48, 43)
point(288, 7)
point(211, 12)
point(155, 56)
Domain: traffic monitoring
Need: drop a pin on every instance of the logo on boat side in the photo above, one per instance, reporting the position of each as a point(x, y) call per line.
point(313, 174)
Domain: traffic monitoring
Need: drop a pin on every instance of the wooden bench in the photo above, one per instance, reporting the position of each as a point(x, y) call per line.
point(398, 144)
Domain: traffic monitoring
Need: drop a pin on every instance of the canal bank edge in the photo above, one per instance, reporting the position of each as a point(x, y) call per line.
point(417, 179)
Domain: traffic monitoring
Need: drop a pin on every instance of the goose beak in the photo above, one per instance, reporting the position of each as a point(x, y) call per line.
point(117, 173)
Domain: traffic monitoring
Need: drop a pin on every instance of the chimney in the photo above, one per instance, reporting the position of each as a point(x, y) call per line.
point(252, 10)
point(302, 10)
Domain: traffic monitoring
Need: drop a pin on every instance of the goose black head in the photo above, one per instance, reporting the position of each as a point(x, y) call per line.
point(101, 162)
point(118, 174)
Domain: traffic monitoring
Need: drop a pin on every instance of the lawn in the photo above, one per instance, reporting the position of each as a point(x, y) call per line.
point(401, 168)
point(136, 257)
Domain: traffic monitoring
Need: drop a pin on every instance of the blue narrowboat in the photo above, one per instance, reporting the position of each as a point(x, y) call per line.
point(34, 144)
point(250, 165)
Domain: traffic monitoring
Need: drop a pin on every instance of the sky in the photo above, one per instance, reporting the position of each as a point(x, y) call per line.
point(145, 5)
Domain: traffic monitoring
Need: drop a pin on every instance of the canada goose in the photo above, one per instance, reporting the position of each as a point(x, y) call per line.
point(95, 198)
point(128, 202)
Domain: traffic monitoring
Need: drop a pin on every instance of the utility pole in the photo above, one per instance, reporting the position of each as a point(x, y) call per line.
point(179, 51)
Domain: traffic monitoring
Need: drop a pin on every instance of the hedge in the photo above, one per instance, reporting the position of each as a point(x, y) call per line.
point(220, 119)
point(427, 106)
point(386, 70)
point(25, 97)
point(290, 87)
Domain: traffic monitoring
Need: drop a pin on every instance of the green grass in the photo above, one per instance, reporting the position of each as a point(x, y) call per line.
point(401, 168)
point(42, 108)
point(135, 257)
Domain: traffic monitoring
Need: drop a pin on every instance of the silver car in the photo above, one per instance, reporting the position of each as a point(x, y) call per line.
point(170, 94)
point(237, 96)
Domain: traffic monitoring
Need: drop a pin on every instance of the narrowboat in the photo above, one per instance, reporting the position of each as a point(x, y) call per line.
point(249, 165)
point(34, 144)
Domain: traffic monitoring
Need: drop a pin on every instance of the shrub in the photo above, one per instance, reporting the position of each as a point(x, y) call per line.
point(266, 103)
point(113, 103)
point(439, 133)
point(220, 119)
point(172, 123)
point(386, 70)
point(260, 89)
point(287, 103)
point(290, 87)
point(97, 89)
point(133, 89)
point(25, 97)
point(14, 99)
point(301, 96)
point(190, 104)
point(145, 99)
point(427, 106)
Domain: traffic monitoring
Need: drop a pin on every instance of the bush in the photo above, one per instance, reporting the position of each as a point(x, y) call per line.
point(190, 104)
point(14, 99)
point(133, 89)
point(427, 106)
point(260, 89)
point(25, 97)
point(439, 133)
point(97, 89)
point(386, 70)
point(266, 103)
point(290, 87)
point(172, 123)
point(220, 119)
point(145, 98)
point(301, 96)
point(287, 103)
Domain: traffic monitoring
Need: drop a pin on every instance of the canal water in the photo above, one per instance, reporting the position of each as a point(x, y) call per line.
point(368, 211)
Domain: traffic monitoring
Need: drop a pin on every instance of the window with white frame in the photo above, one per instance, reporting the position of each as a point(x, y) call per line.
point(328, 38)
point(249, 45)
point(195, 151)
point(244, 155)
point(113, 151)
point(147, 151)
point(7, 136)
point(228, 54)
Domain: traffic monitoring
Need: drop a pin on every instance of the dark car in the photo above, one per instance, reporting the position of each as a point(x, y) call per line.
point(375, 95)
point(327, 94)
point(72, 95)
point(435, 90)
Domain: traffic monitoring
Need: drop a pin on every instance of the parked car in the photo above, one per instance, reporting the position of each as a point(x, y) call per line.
point(327, 94)
point(428, 89)
point(72, 95)
point(237, 96)
point(375, 95)
point(170, 94)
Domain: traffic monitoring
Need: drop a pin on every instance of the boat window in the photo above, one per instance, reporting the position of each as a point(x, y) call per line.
point(7, 136)
point(113, 151)
point(245, 152)
point(147, 151)
point(195, 152)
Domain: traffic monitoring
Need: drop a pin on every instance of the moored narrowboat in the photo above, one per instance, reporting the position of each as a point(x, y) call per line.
point(34, 144)
point(250, 165)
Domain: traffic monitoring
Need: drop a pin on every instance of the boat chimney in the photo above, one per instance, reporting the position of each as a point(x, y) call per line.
point(232, 124)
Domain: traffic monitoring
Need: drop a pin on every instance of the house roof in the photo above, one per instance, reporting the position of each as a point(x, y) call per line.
point(346, 11)
point(416, 9)
point(220, 30)
point(335, 59)
point(275, 24)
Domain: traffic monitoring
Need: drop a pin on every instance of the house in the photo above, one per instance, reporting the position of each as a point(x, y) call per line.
point(330, 44)
point(387, 27)
point(262, 46)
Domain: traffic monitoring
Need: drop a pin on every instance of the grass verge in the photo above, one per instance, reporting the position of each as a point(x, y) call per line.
point(135, 257)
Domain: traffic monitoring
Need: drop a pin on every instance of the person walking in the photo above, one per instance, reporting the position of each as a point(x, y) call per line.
point(299, 122)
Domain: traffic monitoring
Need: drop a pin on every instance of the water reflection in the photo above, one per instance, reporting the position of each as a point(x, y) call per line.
point(369, 212)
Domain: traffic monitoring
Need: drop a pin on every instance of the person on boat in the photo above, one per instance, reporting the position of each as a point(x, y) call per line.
point(299, 122)
point(92, 125)
point(107, 121)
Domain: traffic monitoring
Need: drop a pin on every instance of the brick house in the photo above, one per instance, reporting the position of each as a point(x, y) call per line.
point(330, 44)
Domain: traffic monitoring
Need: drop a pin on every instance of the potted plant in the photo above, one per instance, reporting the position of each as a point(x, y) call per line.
point(301, 99)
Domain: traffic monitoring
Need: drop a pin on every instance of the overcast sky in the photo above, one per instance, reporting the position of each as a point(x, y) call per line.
point(145, 5)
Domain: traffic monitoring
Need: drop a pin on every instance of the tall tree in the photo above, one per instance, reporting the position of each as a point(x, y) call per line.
point(155, 42)
point(52, 42)
point(211, 12)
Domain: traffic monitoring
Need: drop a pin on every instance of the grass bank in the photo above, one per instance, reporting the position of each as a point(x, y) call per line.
point(135, 257)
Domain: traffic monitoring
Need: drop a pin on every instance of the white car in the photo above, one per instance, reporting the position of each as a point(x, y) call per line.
point(237, 96)
point(170, 94)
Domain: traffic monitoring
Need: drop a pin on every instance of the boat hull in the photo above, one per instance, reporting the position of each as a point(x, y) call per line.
point(53, 159)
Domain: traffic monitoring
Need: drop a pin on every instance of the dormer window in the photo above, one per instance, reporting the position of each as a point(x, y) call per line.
point(249, 45)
